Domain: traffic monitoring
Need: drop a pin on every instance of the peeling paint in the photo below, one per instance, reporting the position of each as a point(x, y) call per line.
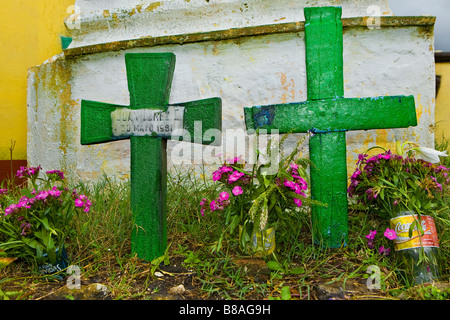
point(153, 6)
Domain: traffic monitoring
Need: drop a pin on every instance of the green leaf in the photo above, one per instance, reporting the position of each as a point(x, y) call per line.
point(285, 293)
point(298, 270)
point(274, 265)
point(235, 222)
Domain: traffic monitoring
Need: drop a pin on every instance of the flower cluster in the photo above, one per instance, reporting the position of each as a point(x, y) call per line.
point(390, 183)
point(28, 172)
point(36, 220)
point(253, 200)
point(82, 201)
point(238, 179)
point(55, 175)
point(232, 175)
point(298, 185)
point(388, 233)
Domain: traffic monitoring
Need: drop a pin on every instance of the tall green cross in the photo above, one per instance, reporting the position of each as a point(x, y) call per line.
point(148, 122)
point(328, 115)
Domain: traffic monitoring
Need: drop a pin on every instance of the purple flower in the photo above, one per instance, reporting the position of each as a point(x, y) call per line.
point(26, 228)
point(370, 238)
point(384, 250)
point(361, 158)
point(3, 191)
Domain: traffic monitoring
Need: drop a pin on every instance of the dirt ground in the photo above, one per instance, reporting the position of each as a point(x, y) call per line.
point(176, 282)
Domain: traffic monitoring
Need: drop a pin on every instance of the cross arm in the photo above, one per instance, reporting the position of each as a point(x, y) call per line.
point(97, 122)
point(209, 113)
point(334, 115)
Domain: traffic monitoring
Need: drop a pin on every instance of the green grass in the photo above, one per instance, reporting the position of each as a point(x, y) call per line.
point(100, 246)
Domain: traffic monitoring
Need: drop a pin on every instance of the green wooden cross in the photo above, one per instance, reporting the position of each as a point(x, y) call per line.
point(328, 115)
point(148, 122)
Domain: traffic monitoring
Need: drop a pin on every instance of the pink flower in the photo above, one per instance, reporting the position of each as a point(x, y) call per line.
point(371, 234)
point(217, 175)
point(294, 167)
point(83, 201)
point(55, 193)
point(234, 160)
point(237, 190)
point(235, 176)
point(390, 234)
point(213, 206)
point(298, 202)
point(223, 196)
point(226, 169)
point(57, 174)
point(79, 203)
point(11, 209)
point(289, 184)
point(42, 195)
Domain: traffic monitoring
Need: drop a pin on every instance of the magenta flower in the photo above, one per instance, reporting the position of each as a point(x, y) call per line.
point(390, 234)
point(370, 238)
point(79, 203)
point(3, 191)
point(371, 234)
point(213, 205)
point(290, 184)
point(57, 174)
point(83, 201)
point(294, 167)
point(235, 176)
point(226, 169)
point(30, 172)
point(223, 196)
point(237, 190)
point(42, 195)
point(217, 175)
point(298, 202)
point(234, 160)
point(11, 209)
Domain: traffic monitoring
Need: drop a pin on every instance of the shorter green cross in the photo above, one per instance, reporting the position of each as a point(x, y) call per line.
point(148, 122)
point(328, 115)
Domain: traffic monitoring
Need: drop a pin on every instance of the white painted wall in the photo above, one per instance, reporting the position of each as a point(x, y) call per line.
point(250, 71)
point(104, 21)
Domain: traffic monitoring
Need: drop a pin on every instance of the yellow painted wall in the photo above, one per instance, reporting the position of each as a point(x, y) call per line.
point(29, 34)
point(442, 113)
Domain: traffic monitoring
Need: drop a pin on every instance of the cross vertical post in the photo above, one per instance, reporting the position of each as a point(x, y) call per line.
point(148, 122)
point(327, 115)
point(325, 80)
